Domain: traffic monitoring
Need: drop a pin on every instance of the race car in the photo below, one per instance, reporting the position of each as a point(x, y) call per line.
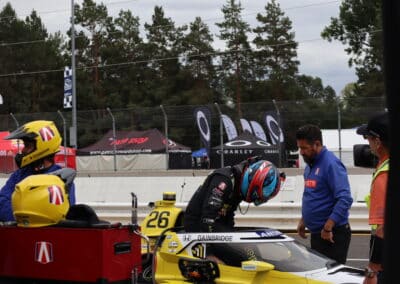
point(164, 215)
point(249, 255)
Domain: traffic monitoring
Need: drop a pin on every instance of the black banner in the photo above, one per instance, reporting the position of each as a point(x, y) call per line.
point(202, 116)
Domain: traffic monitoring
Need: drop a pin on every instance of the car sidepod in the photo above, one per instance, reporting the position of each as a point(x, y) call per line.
point(251, 256)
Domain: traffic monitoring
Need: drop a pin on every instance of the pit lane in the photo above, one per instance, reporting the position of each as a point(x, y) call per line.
point(358, 251)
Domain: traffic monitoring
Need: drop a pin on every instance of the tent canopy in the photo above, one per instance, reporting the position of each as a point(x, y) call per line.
point(200, 153)
point(133, 142)
point(348, 138)
point(242, 147)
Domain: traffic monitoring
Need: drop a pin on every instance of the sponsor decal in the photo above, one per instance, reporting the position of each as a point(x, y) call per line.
point(128, 151)
point(221, 238)
point(43, 252)
point(251, 254)
point(271, 151)
point(246, 125)
point(238, 143)
point(222, 186)
point(187, 238)
point(236, 151)
point(46, 133)
point(170, 143)
point(218, 192)
point(132, 140)
point(311, 183)
point(203, 120)
point(263, 143)
point(230, 128)
point(259, 131)
point(274, 129)
point(55, 195)
point(268, 234)
point(249, 267)
point(215, 200)
point(198, 250)
point(172, 244)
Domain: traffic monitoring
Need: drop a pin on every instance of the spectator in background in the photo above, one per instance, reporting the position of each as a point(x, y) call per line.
point(41, 142)
point(377, 134)
point(326, 198)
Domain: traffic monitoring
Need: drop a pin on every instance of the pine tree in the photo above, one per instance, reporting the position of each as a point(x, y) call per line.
point(235, 67)
point(275, 58)
point(36, 91)
point(199, 51)
point(94, 19)
point(124, 49)
point(198, 73)
point(163, 48)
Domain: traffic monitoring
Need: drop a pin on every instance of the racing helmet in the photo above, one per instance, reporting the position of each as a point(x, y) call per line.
point(45, 136)
point(261, 181)
point(40, 200)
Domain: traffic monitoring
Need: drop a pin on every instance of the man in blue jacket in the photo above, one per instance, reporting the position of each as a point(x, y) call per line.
point(326, 197)
point(41, 142)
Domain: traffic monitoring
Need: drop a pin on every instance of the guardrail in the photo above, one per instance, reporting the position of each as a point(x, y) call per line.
point(282, 216)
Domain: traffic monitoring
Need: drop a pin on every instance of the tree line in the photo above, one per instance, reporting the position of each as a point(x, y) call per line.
point(177, 65)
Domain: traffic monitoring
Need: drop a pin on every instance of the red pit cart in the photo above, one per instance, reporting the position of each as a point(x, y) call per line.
point(106, 255)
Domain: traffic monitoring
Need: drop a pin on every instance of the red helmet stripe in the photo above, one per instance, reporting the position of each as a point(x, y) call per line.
point(257, 181)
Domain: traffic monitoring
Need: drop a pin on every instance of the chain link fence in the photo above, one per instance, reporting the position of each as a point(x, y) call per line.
point(181, 123)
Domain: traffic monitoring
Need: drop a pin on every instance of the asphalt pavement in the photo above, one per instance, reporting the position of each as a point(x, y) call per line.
point(358, 251)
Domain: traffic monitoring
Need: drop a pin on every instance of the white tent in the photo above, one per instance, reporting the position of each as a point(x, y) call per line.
point(344, 148)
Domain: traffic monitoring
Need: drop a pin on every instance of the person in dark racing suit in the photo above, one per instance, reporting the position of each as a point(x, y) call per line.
point(212, 207)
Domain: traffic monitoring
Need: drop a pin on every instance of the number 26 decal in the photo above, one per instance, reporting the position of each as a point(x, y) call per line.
point(158, 219)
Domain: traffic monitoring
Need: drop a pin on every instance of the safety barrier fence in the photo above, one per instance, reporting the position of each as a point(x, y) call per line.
point(282, 216)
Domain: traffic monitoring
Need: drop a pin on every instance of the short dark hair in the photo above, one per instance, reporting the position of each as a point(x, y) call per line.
point(309, 132)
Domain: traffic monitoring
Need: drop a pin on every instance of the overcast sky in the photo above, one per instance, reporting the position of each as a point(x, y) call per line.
point(318, 57)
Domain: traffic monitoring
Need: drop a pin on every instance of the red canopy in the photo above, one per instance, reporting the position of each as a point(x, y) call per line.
point(9, 148)
point(133, 142)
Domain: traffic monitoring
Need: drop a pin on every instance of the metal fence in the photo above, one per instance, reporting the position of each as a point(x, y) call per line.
point(180, 125)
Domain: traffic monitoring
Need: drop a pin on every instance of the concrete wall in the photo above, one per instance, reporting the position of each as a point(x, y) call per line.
point(149, 186)
point(111, 187)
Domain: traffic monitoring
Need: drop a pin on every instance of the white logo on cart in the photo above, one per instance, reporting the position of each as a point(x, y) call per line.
point(43, 252)
point(46, 133)
point(55, 195)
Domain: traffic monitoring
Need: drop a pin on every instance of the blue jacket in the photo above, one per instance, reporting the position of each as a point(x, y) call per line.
point(7, 190)
point(326, 192)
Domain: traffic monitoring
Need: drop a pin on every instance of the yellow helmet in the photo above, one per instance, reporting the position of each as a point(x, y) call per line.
point(46, 137)
point(40, 200)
